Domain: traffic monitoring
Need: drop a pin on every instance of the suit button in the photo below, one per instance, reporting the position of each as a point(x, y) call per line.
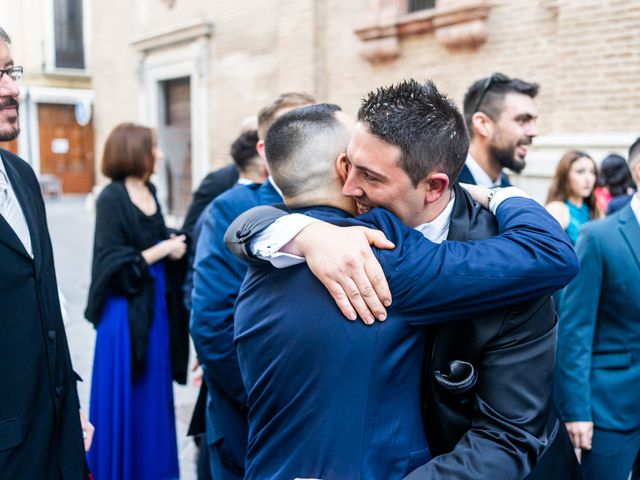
point(51, 335)
point(59, 390)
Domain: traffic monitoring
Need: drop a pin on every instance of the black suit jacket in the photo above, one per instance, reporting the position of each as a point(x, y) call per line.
point(466, 177)
point(487, 386)
point(40, 433)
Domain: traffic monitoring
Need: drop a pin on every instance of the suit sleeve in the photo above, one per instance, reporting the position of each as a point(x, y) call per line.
point(578, 313)
point(508, 429)
point(218, 275)
point(431, 283)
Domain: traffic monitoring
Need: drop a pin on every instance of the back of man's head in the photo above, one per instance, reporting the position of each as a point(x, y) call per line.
point(423, 123)
point(243, 150)
point(487, 95)
point(302, 146)
point(268, 114)
point(634, 161)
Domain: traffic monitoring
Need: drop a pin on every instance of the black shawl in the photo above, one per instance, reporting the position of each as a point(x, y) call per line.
point(118, 267)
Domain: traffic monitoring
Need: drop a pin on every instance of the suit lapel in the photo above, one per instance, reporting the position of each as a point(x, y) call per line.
point(26, 201)
point(630, 231)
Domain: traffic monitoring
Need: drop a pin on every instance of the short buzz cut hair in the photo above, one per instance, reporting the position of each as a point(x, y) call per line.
point(487, 95)
point(269, 113)
point(633, 159)
point(423, 123)
point(128, 152)
point(4, 36)
point(302, 146)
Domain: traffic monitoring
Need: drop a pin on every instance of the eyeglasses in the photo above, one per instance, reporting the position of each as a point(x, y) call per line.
point(494, 79)
point(15, 73)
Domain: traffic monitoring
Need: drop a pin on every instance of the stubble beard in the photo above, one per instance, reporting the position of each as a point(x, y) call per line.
point(506, 157)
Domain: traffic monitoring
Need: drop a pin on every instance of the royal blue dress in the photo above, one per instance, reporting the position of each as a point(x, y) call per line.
point(135, 436)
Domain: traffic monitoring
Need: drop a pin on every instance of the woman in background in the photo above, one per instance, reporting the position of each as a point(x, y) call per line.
point(614, 181)
point(131, 391)
point(571, 198)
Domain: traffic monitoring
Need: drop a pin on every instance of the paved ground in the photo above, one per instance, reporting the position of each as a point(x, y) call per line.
point(71, 227)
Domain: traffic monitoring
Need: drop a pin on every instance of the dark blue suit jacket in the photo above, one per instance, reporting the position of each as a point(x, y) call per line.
point(598, 369)
point(217, 279)
point(466, 177)
point(333, 399)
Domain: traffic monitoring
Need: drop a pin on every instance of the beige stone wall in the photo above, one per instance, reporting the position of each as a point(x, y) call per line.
point(585, 54)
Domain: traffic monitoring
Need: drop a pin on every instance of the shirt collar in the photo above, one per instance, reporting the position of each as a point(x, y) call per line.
point(635, 205)
point(437, 229)
point(245, 181)
point(273, 184)
point(479, 175)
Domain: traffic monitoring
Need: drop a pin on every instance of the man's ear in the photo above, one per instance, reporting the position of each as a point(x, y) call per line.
point(342, 167)
point(260, 150)
point(434, 186)
point(482, 124)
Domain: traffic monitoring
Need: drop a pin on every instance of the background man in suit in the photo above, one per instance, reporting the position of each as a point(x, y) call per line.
point(599, 343)
point(484, 420)
point(301, 366)
point(40, 431)
point(501, 115)
point(216, 282)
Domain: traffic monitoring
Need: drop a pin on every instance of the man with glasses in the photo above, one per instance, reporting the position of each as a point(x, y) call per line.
point(41, 435)
point(501, 115)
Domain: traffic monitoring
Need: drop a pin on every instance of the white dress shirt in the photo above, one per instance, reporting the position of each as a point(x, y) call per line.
point(635, 205)
point(266, 245)
point(479, 175)
point(11, 211)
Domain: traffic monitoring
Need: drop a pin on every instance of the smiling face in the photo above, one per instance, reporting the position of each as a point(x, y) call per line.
point(513, 131)
point(9, 93)
point(581, 178)
point(376, 179)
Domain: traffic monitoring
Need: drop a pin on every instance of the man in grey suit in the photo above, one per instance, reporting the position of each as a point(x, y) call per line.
point(598, 366)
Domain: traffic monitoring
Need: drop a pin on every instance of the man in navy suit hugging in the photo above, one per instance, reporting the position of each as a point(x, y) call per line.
point(599, 343)
point(328, 399)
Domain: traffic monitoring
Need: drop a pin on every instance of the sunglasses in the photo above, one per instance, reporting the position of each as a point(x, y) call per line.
point(494, 79)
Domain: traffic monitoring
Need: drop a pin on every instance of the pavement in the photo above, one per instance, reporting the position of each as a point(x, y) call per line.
point(71, 226)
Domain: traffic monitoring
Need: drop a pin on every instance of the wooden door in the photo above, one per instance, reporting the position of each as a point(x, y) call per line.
point(66, 148)
point(12, 146)
point(174, 139)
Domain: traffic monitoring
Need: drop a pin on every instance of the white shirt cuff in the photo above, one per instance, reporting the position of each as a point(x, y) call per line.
point(266, 244)
point(503, 194)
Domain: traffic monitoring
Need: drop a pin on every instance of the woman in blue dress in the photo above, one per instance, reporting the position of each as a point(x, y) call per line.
point(571, 198)
point(131, 392)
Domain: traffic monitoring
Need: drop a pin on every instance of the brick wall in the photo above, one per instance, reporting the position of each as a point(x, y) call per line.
point(584, 53)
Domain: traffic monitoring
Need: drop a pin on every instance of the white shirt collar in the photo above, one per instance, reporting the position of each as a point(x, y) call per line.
point(437, 229)
point(479, 175)
point(273, 184)
point(635, 205)
point(245, 181)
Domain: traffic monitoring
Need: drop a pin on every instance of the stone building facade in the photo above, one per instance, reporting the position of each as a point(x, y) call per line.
point(208, 64)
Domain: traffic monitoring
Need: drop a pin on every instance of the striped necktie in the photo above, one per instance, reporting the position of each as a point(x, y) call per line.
point(12, 213)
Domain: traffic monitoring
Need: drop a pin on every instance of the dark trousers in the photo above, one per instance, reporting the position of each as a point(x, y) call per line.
point(612, 455)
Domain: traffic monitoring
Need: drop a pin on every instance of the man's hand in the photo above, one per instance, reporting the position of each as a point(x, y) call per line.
point(581, 434)
point(87, 431)
point(479, 194)
point(342, 259)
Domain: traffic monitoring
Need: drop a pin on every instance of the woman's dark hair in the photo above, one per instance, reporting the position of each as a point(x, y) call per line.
point(128, 152)
point(559, 190)
point(614, 174)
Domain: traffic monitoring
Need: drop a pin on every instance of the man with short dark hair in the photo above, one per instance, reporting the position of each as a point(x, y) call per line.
point(216, 281)
point(482, 373)
point(501, 115)
point(41, 435)
point(335, 400)
point(599, 343)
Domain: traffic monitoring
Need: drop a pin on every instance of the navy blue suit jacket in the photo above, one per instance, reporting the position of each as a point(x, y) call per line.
point(218, 275)
point(598, 370)
point(333, 399)
point(466, 177)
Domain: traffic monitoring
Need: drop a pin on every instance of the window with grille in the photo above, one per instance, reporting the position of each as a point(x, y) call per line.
point(415, 5)
point(69, 37)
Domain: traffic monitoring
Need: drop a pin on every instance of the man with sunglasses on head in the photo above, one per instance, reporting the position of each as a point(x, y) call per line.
point(41, 434)
point(501, 115)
